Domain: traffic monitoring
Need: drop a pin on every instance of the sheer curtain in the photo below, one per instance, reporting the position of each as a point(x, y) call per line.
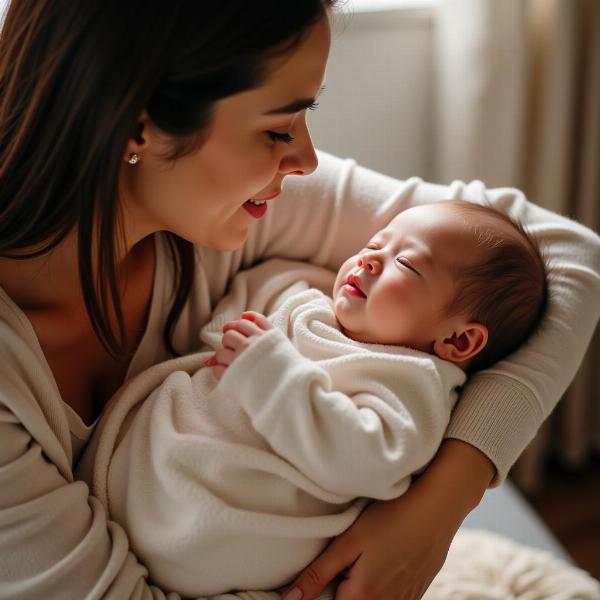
point(518, 103)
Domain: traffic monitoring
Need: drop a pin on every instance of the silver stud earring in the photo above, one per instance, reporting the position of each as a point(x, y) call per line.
point(133, 158)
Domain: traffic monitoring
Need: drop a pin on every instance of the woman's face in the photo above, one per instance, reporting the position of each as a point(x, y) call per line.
point(203, 196)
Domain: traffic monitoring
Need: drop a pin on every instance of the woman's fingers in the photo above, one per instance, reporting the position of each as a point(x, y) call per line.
point(336, 558)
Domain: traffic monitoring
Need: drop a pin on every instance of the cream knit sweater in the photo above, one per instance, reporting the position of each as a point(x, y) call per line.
point(238, 484)
point(55, 539)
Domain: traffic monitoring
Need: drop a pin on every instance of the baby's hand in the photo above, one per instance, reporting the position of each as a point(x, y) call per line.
point(237, 336)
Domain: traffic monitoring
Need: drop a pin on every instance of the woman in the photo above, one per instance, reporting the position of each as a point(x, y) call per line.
point(119, 123)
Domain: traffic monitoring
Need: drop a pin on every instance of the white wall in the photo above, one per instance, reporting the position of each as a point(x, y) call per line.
point(378, 107)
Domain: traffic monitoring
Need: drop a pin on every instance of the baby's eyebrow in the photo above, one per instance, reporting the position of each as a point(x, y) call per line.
point(382, 233)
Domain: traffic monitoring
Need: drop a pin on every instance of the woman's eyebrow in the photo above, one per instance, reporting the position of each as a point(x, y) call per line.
point(295, 106)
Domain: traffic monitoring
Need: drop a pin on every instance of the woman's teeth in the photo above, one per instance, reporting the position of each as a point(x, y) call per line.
point(257, 202)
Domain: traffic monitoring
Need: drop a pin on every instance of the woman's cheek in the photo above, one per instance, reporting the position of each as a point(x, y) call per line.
point(260, 175)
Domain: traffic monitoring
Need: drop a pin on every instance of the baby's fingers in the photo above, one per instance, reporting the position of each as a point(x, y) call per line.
point(219, 361)
point(234, 339)
point(218, 371)
point(245, 327)
point(223, 356)
point(257, 318)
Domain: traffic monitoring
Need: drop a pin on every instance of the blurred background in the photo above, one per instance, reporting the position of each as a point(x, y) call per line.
point(507, 92)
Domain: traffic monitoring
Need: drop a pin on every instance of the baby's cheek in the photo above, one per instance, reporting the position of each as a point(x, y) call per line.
point(344, 312)
point(343, 273)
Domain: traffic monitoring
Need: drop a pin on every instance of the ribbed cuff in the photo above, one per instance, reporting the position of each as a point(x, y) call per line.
point(497, 415)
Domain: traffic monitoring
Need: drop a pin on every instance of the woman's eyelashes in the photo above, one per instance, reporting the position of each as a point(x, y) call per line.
point(286, 138)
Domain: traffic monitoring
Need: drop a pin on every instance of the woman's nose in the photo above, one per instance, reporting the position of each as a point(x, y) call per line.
point(371, 262)
point(300, 157)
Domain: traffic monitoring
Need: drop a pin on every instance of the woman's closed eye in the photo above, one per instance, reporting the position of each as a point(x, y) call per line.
point(286, 138)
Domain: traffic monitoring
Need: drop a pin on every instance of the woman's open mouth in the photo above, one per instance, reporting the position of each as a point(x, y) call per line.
point(257, 208)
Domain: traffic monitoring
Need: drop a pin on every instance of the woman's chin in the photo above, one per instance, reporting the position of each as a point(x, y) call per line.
point(228, 243)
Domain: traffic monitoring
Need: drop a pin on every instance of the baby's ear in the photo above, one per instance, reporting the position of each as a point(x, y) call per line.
point(463, 344)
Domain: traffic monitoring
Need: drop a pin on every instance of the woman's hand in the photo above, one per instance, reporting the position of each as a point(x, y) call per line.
point(237, 336)
point(395, 548)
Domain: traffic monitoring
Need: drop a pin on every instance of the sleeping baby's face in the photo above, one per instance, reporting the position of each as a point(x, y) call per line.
point(396, 289)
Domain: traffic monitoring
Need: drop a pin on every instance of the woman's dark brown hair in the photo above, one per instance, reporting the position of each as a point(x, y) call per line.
point(75, 77)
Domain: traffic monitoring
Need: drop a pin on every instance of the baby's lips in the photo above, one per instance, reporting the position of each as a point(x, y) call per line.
point(355, 281)
point(210, 362)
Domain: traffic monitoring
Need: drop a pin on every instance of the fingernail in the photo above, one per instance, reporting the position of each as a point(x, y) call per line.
point(294, 594)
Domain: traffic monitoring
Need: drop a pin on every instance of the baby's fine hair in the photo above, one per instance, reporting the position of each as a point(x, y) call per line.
point(507, 290)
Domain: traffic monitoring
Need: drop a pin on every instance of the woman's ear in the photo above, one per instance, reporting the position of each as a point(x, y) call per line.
point(463, 344)
point(139, 137)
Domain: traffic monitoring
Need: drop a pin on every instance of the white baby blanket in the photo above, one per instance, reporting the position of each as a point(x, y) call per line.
point(240, 485)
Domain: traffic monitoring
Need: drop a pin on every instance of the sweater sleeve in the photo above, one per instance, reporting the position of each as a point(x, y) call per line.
point(327, 216)
point(362, 443)
point(55, 539)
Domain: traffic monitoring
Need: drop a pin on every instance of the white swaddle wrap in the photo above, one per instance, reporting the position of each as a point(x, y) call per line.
point(240, 485)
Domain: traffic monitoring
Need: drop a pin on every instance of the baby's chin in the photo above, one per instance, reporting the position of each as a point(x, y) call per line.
point(346, 327)
point(341, 318)
point(365, 337)
point(344, 315)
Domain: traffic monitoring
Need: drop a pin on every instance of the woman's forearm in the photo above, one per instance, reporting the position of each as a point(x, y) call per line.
point(460, 473)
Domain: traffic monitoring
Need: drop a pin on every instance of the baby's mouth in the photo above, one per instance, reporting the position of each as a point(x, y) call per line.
point(354, 282)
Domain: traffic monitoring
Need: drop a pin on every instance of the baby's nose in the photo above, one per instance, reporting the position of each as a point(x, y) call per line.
point(370, 263)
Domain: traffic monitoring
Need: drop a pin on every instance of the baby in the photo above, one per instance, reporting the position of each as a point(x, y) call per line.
point(237, 476)
point(458, 280)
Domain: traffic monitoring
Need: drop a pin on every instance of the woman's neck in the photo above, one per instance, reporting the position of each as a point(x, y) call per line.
point(51, 282)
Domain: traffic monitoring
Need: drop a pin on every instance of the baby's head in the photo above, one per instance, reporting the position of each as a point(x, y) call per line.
point(455, 279)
